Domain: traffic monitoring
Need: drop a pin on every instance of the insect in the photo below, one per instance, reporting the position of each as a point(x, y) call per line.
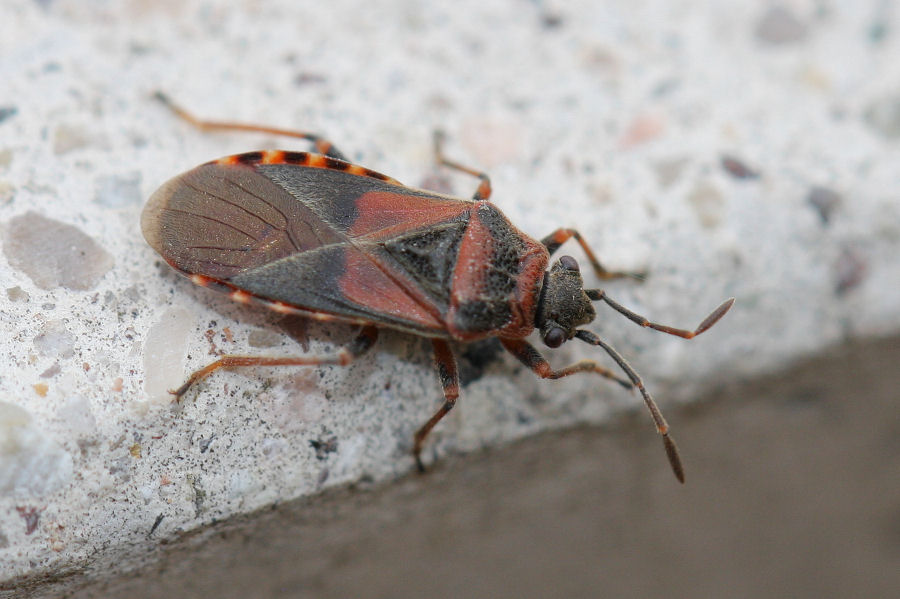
point(312, 234)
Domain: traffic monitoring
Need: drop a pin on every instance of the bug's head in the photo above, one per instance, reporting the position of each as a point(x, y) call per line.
point(564, 306)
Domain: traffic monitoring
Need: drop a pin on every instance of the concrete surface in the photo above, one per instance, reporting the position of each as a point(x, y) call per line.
point(729, 149)
point(793, 493)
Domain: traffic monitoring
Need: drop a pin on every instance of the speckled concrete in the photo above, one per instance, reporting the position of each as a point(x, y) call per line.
point(728, 149)
point(787, 473)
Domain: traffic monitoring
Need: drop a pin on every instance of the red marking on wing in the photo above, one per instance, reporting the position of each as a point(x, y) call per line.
point(383, 215)
point(366, 284)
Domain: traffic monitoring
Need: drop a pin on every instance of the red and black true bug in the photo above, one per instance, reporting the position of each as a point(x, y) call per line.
point(312, 234)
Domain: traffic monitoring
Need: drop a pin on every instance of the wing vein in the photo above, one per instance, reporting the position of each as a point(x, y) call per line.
point(210, 218)
point(241, 208)
point(288, 230)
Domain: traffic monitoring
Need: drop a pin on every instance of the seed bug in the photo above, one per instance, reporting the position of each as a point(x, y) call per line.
point(310, 233)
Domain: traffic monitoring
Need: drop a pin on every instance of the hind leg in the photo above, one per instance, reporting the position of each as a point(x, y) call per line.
point(322, 146)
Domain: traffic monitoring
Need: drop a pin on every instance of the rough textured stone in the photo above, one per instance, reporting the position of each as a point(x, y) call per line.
point(54, 254)
point(608, 117)
point(32, 465)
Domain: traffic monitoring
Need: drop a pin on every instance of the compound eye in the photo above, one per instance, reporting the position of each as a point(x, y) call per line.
point(569, 263)
point(554, 337)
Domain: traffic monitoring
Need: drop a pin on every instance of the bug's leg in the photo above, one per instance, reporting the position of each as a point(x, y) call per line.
point(532, 358)
point(446, 365)
point(529, 356)
point(360, 345)
point(322, 146)
point(713, 318)
point(560, 236)
point(484, 188)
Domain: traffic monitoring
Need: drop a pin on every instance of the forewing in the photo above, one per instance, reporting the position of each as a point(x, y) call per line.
point(314, 238)
point(363, 208)
point(221, 221)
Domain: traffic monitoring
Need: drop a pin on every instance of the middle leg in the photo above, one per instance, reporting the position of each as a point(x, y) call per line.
point(484, 189)
point(449, 375)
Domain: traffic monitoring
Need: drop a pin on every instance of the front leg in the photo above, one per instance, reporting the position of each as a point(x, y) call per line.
point(529, 356)
point(560, 236)
point(532, 358)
